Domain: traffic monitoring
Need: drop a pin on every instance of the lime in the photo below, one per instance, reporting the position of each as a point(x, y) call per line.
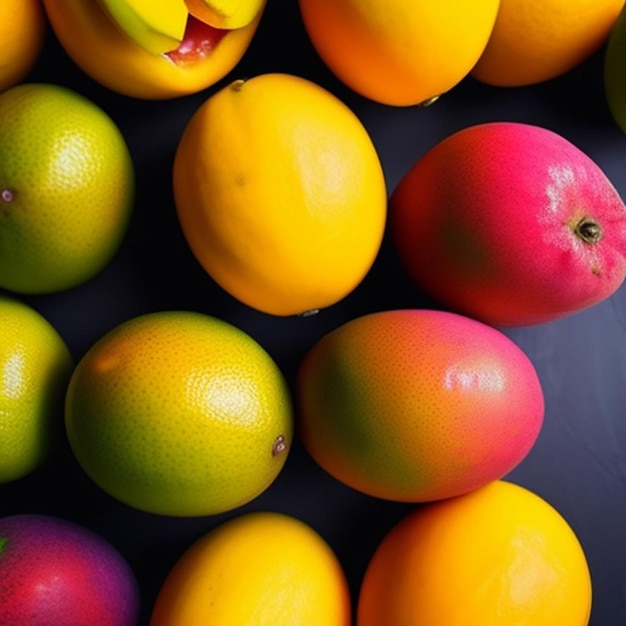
point(179, 413)
point(35, 367)
point(66, 188)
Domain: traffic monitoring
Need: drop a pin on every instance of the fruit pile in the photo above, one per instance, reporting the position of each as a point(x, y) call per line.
point(282, 290)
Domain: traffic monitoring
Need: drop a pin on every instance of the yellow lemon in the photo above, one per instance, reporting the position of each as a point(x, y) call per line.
point(179, 413)
point(280, 193)
point(35, 367)
point(498, 556)
point(66, 188)
point(22, 33)
point(261, 568)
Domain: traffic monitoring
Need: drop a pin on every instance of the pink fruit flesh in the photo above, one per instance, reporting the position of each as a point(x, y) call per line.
point(55, 572)
point(199, 41)
point(512, 224)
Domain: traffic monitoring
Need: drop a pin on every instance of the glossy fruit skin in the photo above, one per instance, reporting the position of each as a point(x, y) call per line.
point(35, 368)
point(54, 571)
point(223, 14)
point(59, 152)
point(510, 223)
point(400, 52)
point(499, 556)
point(22, 33)
point(179, 413)
point(417, 405)
point(280, 194)
point(533, 41)
point(260, 568)
point(99, 47)
point(614, 71)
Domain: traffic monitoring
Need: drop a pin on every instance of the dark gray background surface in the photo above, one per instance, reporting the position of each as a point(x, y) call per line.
point(579, 461)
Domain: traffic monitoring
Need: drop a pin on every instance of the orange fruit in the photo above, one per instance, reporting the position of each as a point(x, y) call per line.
point(399, 52)
point(35, 368)
point(536, 40)
point(103, 51)
point(499, 556)
point(280, 193)
point(260, 568)
point(179, 413)
point(417, 405)
point(66, 188)
point(22, 33)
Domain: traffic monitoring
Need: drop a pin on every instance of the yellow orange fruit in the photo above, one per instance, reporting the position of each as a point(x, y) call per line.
point(35, 368)
point(104, 52)
point(179, 413)
point(399, 52)
point(417, 405)
point(280, 193)
point(66, 188)
point(499, 556)
point(22, 32)
point(260, 568)
point(536, 40)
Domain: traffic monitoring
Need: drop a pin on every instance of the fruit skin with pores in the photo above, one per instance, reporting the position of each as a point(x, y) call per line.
point(179, 413)
point(400, 52)
point(499, 556)
point(533, 41)
point(510, 223)
point(22, 33)
point(261, 568)
point(35, 368)
point(280, 193)
point(416, 405)
point(66, 188)
point(55, 571)
point(97, 45)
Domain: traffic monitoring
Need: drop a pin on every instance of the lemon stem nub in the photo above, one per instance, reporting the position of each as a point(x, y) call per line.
point(7, 195)
point(279, 446)
point(429, 101)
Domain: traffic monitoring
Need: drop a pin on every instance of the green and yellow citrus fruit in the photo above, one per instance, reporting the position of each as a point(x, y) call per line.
point(35, 368)
point(499, 556)
point(614, 70)
point(66, 188)
point(179, 413)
